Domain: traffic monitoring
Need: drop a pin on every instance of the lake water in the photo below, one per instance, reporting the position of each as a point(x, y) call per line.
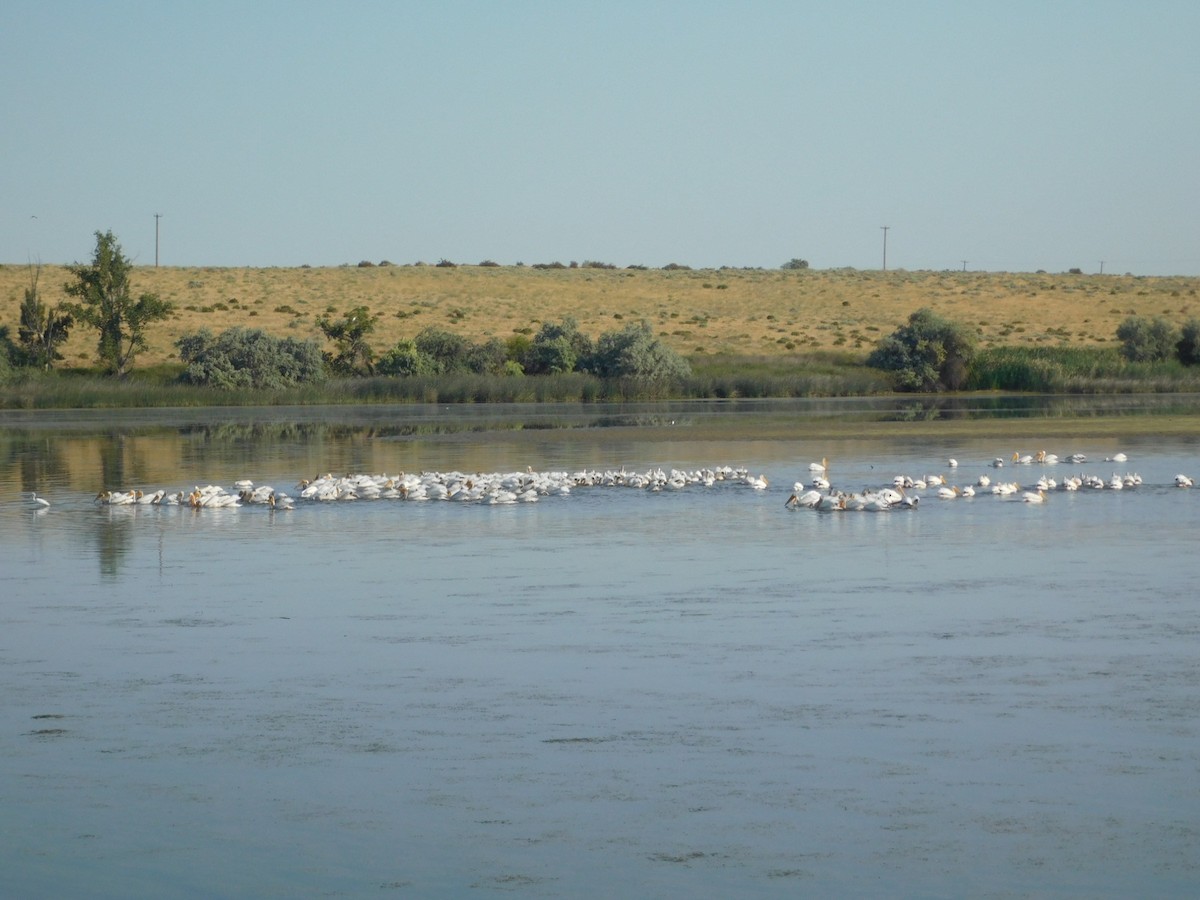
point(619, 692)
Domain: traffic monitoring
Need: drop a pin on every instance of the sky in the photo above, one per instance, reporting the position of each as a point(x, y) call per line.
point(1011, 136)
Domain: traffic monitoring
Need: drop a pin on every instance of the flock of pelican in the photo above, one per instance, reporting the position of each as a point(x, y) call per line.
point(488, 488)
point(903, 492)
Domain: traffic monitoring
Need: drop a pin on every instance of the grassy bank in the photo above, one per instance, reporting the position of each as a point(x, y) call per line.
point(1045, 370)
point(812, 375)
point(736, 313)
point(1077, 370)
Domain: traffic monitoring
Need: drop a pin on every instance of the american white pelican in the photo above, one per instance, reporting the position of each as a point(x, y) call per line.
point(997, 463)
point(1117, 457)
point(1020, 460)
point(1077, 458)
point(759, 483)
point(952, 463)
point(968, 491)
point(819, 466)
point(1031, 497)
point(948, 493)
point(1183, 481)
point(983, 481)
point(821, 483)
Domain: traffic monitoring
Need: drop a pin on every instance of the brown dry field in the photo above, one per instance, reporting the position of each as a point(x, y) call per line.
point(745, 312)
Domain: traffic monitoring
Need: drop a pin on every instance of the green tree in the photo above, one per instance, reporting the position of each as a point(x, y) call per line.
point(42, 328)
point(928, 354)
point(795, 264)
point(7, 352)
point(105, 303)
point(1147, 340)
point(354, 355)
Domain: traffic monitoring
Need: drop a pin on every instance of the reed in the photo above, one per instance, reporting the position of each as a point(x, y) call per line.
point(1076, 370)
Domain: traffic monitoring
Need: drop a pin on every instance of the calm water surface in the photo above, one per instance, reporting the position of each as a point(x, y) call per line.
point(615, 693)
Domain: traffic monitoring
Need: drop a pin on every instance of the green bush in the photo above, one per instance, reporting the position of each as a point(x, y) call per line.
point(245, 358)
point(405, 359)
point(634, 352)
point(1188, 346)
point(449, 351)
point(928, 354)
point(557, 348)
point(1147, 340)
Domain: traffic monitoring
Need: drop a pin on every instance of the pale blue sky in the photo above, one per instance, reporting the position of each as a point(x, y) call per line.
point(1017, 136)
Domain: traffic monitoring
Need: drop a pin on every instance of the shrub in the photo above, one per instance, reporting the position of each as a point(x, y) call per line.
point(557, 348)
point(487, 358)
point(447, 350)
point(1188, 346)
point(1145, 340)
point(795, 264)
point(928, 354)
point(634, 352)
point(245, 358)
point(405, 359)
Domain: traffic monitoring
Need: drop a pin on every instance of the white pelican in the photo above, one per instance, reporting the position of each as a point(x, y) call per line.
point(819, 466)
point(821, 483)
point(983, 481)
point(997, 463)
point(968, 491)
point(1183, 481)
point(759, 483)
point(952, 463)
point(1031, 497)
point(1117, 457)
point(42, 503)
point(948, 493)
point(1020, 460)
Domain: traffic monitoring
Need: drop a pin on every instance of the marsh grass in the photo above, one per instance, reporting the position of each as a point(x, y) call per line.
point(1076, 370)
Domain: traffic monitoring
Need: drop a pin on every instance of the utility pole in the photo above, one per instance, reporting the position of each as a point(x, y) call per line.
point(1101, 267)
point(964, 262)
point(885, 231)
point(157, 216)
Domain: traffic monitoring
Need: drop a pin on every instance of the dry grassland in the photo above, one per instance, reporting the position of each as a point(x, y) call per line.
point(747, 312)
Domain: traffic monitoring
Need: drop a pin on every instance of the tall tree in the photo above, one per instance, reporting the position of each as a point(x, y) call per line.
point(354, 355)
point(42, 328)
point(105, 303)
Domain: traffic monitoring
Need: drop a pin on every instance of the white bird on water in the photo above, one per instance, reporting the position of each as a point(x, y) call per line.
point(38, 502)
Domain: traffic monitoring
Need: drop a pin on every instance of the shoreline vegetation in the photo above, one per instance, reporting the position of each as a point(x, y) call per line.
point(743, 333)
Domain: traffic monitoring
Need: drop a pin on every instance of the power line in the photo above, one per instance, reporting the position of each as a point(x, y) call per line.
point(885, 231)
